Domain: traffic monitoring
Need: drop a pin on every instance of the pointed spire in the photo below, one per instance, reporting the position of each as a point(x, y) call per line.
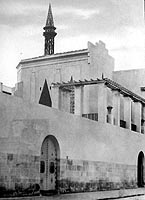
point(49, 33)
point(49, 21)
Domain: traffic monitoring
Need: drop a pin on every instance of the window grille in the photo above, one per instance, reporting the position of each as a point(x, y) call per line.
point(72, 100)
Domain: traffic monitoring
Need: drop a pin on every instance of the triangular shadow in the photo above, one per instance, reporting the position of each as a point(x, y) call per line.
point(45, 98)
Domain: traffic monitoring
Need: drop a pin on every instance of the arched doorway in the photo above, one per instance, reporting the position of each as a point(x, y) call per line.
point(140, 170)
point(49, 165)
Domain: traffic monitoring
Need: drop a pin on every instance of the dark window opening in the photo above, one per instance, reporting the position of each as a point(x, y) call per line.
point(10, 156)
point(133, 127)
point(122, 123)
point(42, 167)
point(52, 168)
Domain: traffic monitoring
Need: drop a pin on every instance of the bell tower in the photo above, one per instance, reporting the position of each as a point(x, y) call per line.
point(49, 33)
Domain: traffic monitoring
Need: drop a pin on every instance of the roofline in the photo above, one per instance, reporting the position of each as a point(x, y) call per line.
point(128, 70)
point(108, 82)
point(54, 56)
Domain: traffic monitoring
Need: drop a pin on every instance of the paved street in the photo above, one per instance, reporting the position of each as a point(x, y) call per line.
point(75, 197)
point(124, 194)
point(142, 197)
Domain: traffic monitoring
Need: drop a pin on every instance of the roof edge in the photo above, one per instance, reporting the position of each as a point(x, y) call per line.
point(108, 82)
point(57, 55)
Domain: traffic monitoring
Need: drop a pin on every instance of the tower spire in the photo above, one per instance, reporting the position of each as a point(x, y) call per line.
point(49, 33)
point(49, 21)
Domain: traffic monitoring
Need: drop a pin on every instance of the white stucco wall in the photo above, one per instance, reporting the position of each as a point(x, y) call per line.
point(131, 79)
point(33, 74)
point(84, 64)
point(23, 127)
point(101, 63)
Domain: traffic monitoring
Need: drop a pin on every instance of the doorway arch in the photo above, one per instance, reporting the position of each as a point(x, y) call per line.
point(49, 165)
point(140, 170)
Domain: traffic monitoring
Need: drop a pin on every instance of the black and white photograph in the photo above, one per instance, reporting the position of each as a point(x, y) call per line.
point(72, 99)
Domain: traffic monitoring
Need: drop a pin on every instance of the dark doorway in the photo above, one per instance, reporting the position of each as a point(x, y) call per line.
point(140, 170)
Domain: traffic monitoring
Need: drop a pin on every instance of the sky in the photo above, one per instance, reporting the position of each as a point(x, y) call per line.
point(118, 23)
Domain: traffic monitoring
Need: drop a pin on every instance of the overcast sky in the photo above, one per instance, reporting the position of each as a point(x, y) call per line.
point(118, 23)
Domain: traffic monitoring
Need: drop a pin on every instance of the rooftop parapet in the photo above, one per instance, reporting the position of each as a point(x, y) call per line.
point(5, 89)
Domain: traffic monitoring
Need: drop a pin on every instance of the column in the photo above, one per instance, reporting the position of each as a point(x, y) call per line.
point(55, 94)
point(110, 116)
point(137, 116)
point(64, 102)
point(143, 127)
point(33, 88)
point(109, 106)
point(102, 103)
point(143, 119)
point(116, 107)
point(78, 100)
point(86, 100)
point(127, 111)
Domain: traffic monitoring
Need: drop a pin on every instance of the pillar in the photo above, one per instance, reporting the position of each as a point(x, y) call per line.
point(63, 97)
point(86, 100)
point(143, 126)
point(78, 100)
point(137, 116)
point(55, 94)
point(110, 116)
point(127, 111)
point(143, 119)
point(116, 107)
point(33, 87)
point(109, 106)
point(102, 103)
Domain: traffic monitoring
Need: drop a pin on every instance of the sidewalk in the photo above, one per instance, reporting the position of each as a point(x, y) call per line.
point(87, 195)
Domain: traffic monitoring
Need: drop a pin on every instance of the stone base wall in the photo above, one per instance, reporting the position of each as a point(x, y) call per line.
point(81, 176)
point(20, 175)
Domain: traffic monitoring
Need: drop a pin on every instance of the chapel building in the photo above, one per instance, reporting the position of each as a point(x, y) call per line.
point(72, 123)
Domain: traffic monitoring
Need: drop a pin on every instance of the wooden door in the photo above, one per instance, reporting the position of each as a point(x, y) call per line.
point(48, 165)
